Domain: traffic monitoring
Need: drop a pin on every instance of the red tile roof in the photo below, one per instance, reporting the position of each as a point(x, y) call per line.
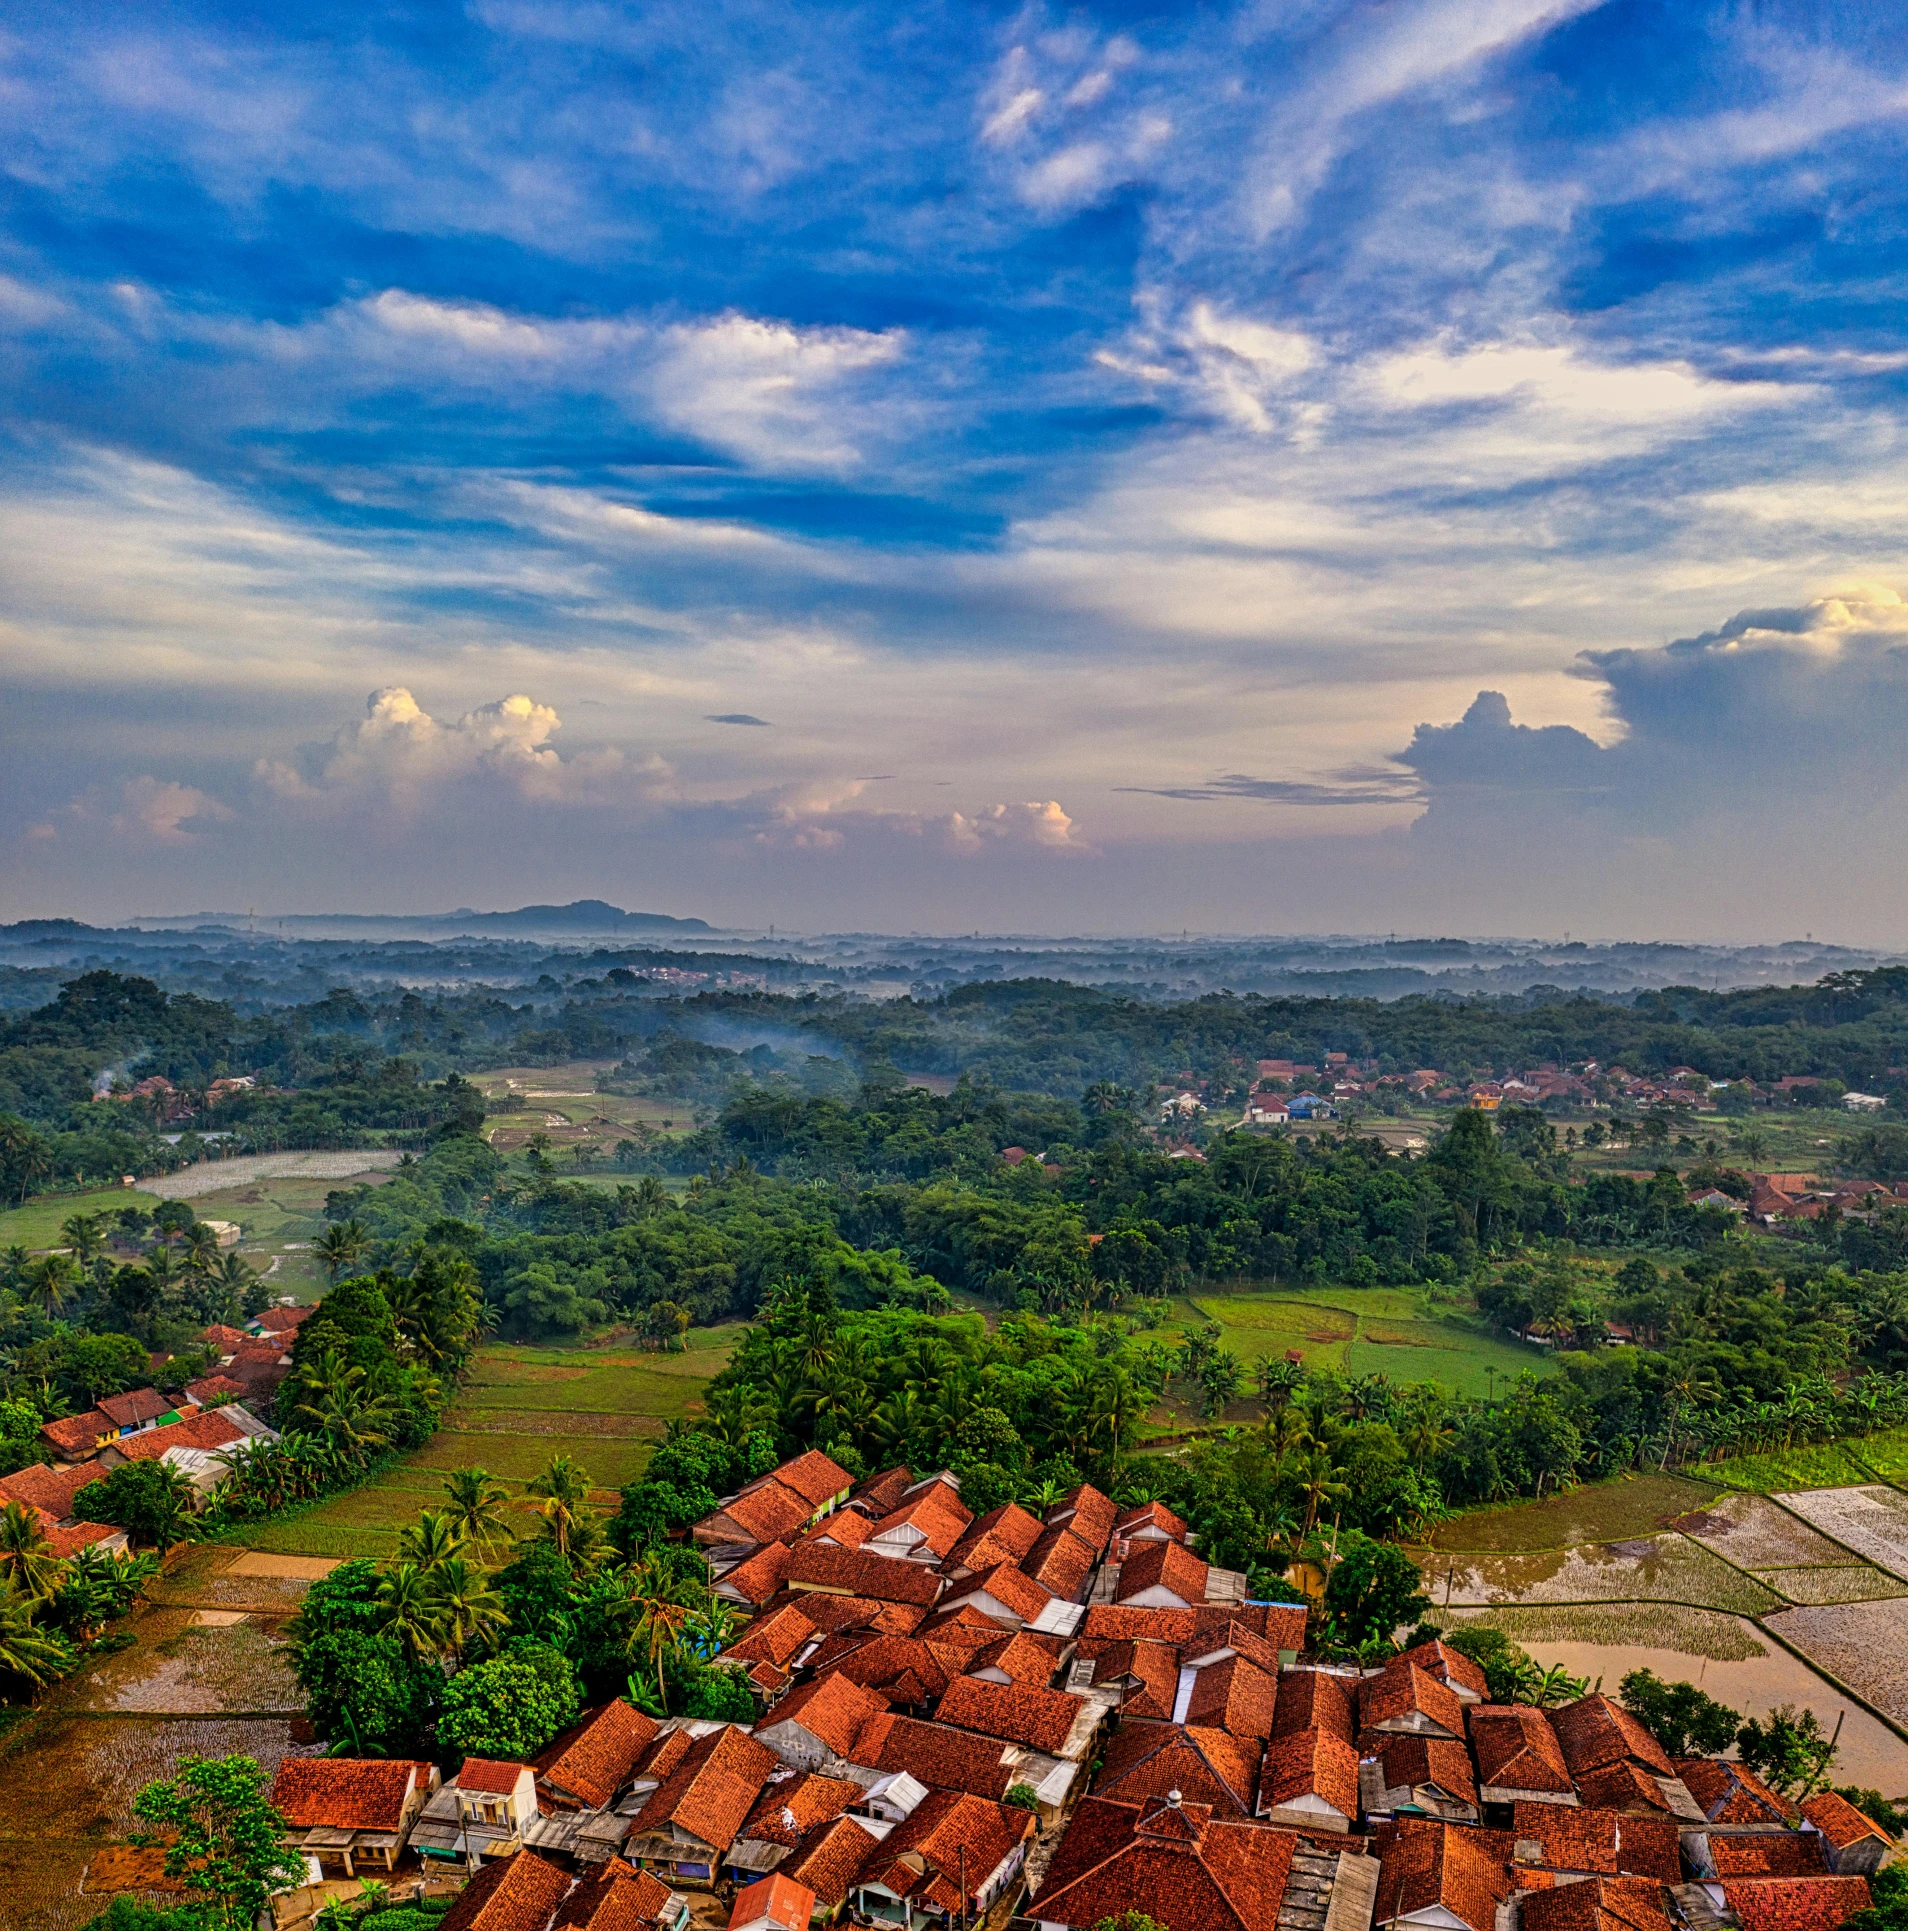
point(1177, 1864)
point(1151, 1515)
point(614, 1898)
point(903, 1668)
point(283, 1320)
point(1402, 1690)
point(1003, 1534)
point(1086, 1513)
point(1146, 1760)
point(712, 1790)
point(1016, 1712)
point(1516, 1749)
point(789, 1807)
point(766, 1513)
point(1767, 1853)
point(936, 1511)
point(1440, 1660)
point(1795, 1903)
point(135, 1408)
point(347, 1793)
point(1729, 1793)
point(517, 1894)
point(1152, 1672)
point(594, 1758)
point(1060, 1562)
point(949, 1832)
point(1410, 1761)
point(50, 1489)
point(65, 1543)
point(813, 1477)
point(1312, 1699)
point(1423, 1864)
point(207, 1430)
point(758, 1577)
point(1197, 1628)
point(493, 1776)
point(228, 1340)
point(1597, 1904)
point(1012, 1588)
point(777, 1898)
point(1234, 1695)
point(1242, 1640)
point(1840, 1822)
point(215, 1390)
point(833, 1614)
point(832, 1709)
point(1162, 1565)
point(73, 1437)
point(1313, 1763)
point(846, 1528)
point(774, 1638)
point(1595, 1731)
point(1022, 1658)
point(879, 1493)
point(854, 1572)
point(1622, 1786)
point(1606, 1841)
point(829, 1858)
point(934, 1754)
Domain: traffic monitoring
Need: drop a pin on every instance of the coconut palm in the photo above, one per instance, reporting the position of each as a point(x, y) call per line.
point(560, 1496)
point(341, 1248)
point(337, 1406)
point(409, 1601)
point(51, 1282)
point(655, 1632)
point(1318, 1481)
point(28, 1565)
point(24, 1650)
point(1278, 1381)
point(432, 1539)
point(201, 1249)
point(83, 1236)
point(469, 1610)
point(477, 1501)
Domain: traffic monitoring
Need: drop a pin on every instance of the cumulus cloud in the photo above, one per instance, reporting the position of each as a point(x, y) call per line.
point(399, 753)
point(144, 811)
point(829, 817)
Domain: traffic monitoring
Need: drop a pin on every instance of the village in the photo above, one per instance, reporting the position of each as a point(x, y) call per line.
point(1059, 1723)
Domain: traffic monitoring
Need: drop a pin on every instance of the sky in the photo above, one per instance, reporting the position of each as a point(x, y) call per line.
point(1429, 465)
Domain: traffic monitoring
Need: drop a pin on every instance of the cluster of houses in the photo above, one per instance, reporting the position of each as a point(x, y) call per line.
point(200, 1433)
point(1055, 1721)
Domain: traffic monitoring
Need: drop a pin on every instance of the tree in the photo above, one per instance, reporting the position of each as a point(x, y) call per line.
point(510, 1706)
point(1788, 1750)
point(224, 1843)
point(561, 1498)
point(51, 1281)
point(38, 1655)
point(1686, 1721)
point(1888, 1887)
point(1372, 1589)
point(28, 1565)
point(469, 1610)
point(476, 1503)
point(150, 1500)
point(359, 1685)
point(341, 1248)
point(1023, 1796)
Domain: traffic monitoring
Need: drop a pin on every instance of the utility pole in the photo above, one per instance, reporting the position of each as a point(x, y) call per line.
point(962, 1853)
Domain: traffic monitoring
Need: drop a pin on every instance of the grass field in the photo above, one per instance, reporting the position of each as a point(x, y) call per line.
point(521, 1405)
point(37, 1224)
point(1817, 1465)
point(1371, 1330)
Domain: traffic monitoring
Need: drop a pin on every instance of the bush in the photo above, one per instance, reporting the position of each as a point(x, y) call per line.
point(511, 1706)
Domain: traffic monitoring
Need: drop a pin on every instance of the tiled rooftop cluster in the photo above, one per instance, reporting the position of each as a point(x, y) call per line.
point(1165, 1748)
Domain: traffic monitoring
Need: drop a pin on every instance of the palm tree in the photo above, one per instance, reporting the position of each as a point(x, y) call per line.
point(656, 1631)
point(469, 1610)
point(24, 1650)
point(1318, 1481)
point(342, 1248)
point(409, 1602)
point(51, 1281)
point(560, 1496)
point(1278, 1380)
point(82, 1236)
point(28, 1565)
point(336, 1406)
point(201, 1249)
point(713, 1628)
point(477, 1503)
point(432, 1539)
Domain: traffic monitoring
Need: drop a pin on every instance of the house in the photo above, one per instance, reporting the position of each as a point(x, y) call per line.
point(1731, 1793)
point(1042, 1719)
point(202, 1447)
point(1444, 1877)
point(697, 1812)
point(1175, 1861)
point(482, 1813)
point(772, 1648)
point(1864, 1102)
point(351, 1813)
point(519, 1893)
point(1404, 1698)
point(281, 1323)
point(1518, 1756)
point(768, 1512)
point(954, 1857)
point(1597, 1904)
point(939, 1756)
point(820, 1721)
point(53, 1491)
point(1791, 1903)
point(1004, 1534)
point(1313, 1699)
point(1061, 1562)
point(925, 1526)
point(901, 1669)
point(773, 1903)
point(879, 1494)
point(1004, 1593)
point(792, 1804)
point(1144, 1761)
point(1591, 1842)
point(1462, 1677)
point(1854, 1845)
point(1151, 1522)
point(1087, 1513)
point(858, 1572)
point(142, 1408)
point(1161, 1574)
point(1146, 1675)
point(590, 1762)
point(828, 1861)
point(1232, 1694)
point(1409, 1775)
point(1022, 1657)
point(756, 1579)
point(75, 1438)
point(1615, 1762)
point(1309, 1780)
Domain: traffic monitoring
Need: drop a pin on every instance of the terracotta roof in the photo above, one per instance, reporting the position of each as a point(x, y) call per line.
point(1017, 1712)
point(934, 1754)
point(1622, 1786)
point(1146, 1760)
point(594, 1758)
point(76, 1436)
point(854, 1572)
point(1597, 1904)
point(832, 1614)
point(1401, 1690)
point(962, 1629)
point(1410, 1761)
point(1795, 1903)
point(82, 1535)
point(1021, 1657)
point(833, 1709)
point(1766, 1853)
point(1424, 1864)
point(1153, 1673)
point(776, 1897)
point(1154, 1515)
point(615, 1898)
point(517, 1894)
point(1234, 1695)
point(1516, 1749)
point(846, 1528)
point(346, 1793)
point(774, 1638)
point(1060, 1562)
point(1313, 1763)
point(766, 1513)
point(904, 1668)
point(789, 1807)
point(1176, 1863)
point(50, 1489)
point(1438, 1659)
point(711, 1790)
point(228, 1340)
point(135, 1408)
point(1313, 1700)
point(1730, 1793)
point(879, 1493)
point(1244, 1641)
point(283, 1320)
point(813, 1477)
point(1086, 1513)
point(1009, 1586)
point(829, 1858)
point(1194, 1628)
point(494, 1776)
point(215, 1390)
point(1167, 1565)
point(758, 1577)
point(662, 1756)
point(936, 1511)
point(209, 1430)
point(1840, 1822)
point(1595, 1731)
point(1605, 1841)
point(1003, 1534)
point(947, 1833)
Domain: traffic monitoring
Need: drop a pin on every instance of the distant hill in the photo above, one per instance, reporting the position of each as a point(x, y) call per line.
point(585, 916)
point(581, 915)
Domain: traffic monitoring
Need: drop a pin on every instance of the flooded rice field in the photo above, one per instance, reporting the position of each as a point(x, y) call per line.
point(187, 1662)
point(1865, 1644)
point(1755, 1533)
point(1859, 1582)
point(1661, 1568)
point(1636, 1505)
point(1872, 1521)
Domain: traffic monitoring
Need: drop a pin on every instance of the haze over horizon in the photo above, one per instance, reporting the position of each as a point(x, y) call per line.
point(1266, 467)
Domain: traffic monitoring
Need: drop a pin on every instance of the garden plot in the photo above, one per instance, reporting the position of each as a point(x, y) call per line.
point(1755, 1533)
point(1872, 1521)
point(1854, 1582)
point(1660, 1568)
point(1865, 1644)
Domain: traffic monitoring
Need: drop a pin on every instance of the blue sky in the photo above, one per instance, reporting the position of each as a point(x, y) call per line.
point(1106, 450)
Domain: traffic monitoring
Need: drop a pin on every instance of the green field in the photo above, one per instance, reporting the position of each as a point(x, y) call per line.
point(37, 1224)
point(1815, 1465)
point(606, 1407)
point(1371, 1330)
